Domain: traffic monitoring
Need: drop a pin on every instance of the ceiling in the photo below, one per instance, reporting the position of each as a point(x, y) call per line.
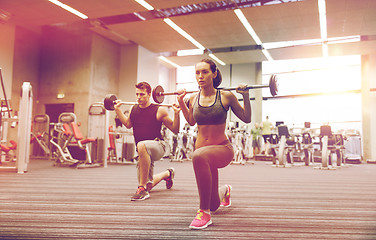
point(213, 24)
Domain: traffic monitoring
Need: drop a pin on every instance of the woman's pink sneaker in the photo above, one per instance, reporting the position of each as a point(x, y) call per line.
point(202, 220)
point(226, 201)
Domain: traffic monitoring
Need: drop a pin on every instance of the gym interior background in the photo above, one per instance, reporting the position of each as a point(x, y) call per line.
point(71, 60)
point(326, 65)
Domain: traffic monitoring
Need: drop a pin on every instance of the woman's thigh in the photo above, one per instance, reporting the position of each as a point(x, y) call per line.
point(219, 156)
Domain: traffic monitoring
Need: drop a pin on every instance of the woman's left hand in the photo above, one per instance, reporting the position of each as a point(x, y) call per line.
point(242, 89)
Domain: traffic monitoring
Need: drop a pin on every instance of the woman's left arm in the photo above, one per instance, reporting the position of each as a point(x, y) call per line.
point(244, 113)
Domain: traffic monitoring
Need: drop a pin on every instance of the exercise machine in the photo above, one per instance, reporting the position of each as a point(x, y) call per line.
point(40, 136)
point(60, 138)
point(287, 147)
point(353, 147)
point(331, 144)
point(68, 135)
point(83, 144)
point(121, 148)
point(238, 144)
point(308, 150)
point(22, 146)
point(98, 125)
point(274, 146)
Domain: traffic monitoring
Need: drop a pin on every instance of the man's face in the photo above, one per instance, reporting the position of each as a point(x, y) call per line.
point(142, 96)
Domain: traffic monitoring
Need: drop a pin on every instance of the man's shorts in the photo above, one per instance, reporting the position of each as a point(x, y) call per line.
point(156, 150)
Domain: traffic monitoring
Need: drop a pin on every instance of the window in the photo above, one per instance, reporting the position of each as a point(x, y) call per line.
point(317, 91)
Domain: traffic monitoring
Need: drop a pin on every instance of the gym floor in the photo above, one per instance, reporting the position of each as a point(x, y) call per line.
point(267, 203)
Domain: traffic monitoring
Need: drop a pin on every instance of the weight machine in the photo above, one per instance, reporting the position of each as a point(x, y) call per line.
point(69, 135)
point(40, 136)
point(60, 138)
point(98, 124)
point(121, 146)
point(238, 144)
point(287, 147)
point(22, 146)
point(308, 150)
point(331, 144)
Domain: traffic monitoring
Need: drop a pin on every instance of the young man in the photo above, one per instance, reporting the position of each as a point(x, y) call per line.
point(146, 119)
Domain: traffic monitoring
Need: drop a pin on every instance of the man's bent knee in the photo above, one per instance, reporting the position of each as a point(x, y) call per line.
point(141, 148)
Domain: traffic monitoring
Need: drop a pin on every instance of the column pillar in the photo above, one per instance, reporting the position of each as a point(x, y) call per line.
point(368, 107)
point(257, 106)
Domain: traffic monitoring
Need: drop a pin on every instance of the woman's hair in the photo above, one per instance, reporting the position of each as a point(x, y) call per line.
point(213, 67)
point(144, 85)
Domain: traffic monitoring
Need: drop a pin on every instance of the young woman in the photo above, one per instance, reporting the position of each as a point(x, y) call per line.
point(213, 150)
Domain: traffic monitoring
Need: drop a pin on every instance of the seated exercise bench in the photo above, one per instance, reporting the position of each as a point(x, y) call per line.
point(83, 143)
point(287, 147)
point(330, 144)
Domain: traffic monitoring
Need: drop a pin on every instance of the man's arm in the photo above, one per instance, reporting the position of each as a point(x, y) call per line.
point(173, 125)
point(125, 120)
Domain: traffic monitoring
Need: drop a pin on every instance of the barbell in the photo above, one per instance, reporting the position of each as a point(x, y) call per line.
point(109, 102)
point(159, 93)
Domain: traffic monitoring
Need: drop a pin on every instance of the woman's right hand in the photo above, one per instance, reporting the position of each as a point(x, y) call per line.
point(181, 95)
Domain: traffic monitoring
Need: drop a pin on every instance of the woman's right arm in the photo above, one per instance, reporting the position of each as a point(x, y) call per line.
point(187, 110)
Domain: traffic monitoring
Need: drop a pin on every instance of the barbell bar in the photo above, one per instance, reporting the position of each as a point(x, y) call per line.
point(109, 102)
point(158, 92)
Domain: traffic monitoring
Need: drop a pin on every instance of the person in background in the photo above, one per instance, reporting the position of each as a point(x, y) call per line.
point(266, 127)
point(256, 134)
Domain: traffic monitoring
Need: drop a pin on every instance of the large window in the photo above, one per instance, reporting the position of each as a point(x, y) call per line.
point(320, 91)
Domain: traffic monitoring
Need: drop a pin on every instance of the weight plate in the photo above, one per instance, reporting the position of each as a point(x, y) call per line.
point(273, 85)
point(109, 102)
point(157, 94)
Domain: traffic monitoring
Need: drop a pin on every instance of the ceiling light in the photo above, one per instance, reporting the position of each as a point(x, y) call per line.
point(69, 9)
point(163, 58)
point(60, 95)
point(267, 54)
point(251, 32)
point(294, 43)
point(323, 27)
point(247, 26)
point(310, 42)
point(190, 52)
point(346, 39)
point(216, 59)
point(139, 16)
point(145, 4)
point(191, 39)
point(183, 33)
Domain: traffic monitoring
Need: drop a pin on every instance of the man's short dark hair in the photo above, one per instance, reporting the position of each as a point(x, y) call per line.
point(144, 85)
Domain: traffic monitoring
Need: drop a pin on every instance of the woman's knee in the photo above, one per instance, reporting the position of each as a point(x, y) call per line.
point(198, 158)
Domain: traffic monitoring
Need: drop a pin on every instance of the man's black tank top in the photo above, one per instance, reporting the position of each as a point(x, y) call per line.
point(145, 123)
